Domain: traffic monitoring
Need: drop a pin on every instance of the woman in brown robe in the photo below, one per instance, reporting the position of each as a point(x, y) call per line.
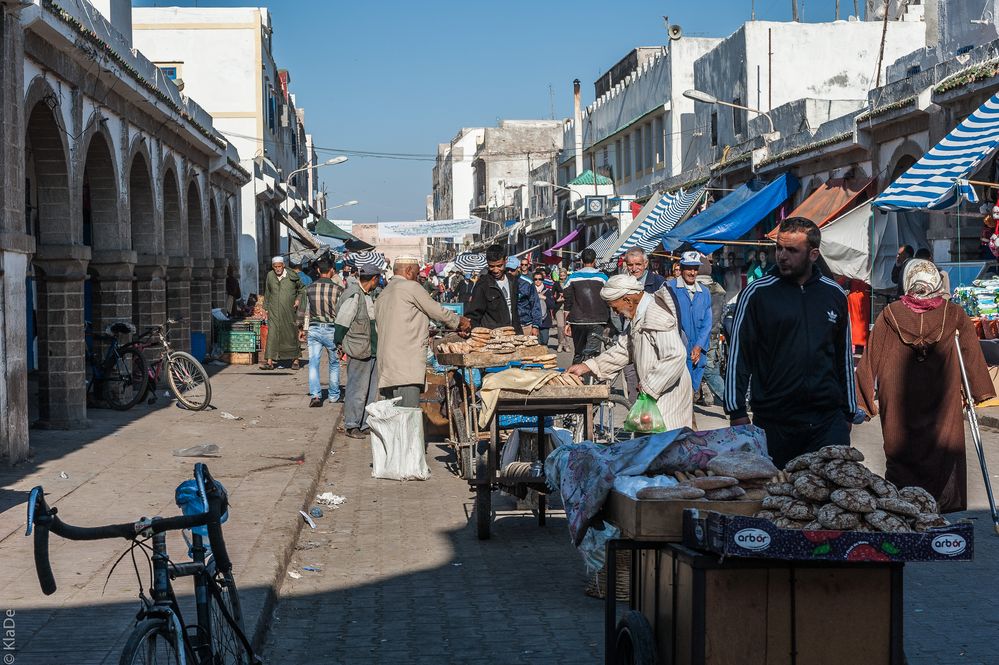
point(911, 362)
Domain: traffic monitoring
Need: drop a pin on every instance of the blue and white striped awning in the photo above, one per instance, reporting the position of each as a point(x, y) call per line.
point(667, 212)
point(938, 180)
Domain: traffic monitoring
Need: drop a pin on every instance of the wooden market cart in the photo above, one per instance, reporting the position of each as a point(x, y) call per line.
point(688, 607)
point(478, 451)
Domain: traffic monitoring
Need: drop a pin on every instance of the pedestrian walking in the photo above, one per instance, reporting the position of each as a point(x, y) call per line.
point(355, 332)
point(695, 315)
point(712, 377)
point(528, 302)
point(912, 366)
point(546, 299)
point(636, 264)
point(319, 331)
point(652, 343)
point(403, 313)
point(493, 303)
point(283, 294)
point(586, 311)
point(791, 351)
point(559, 292)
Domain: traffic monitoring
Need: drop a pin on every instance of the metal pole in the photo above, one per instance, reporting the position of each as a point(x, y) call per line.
point(976, 433)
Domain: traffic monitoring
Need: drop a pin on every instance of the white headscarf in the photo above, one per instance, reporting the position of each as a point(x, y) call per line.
point(921, 279)
point(277, 259)
point(620, 286)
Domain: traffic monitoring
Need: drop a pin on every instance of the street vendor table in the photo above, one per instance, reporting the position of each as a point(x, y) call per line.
point(543, 402)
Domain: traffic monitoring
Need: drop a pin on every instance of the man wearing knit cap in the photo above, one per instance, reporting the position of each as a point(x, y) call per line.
point(403, 313)
point(695, 314)
point(283, 294)
point(653, 344)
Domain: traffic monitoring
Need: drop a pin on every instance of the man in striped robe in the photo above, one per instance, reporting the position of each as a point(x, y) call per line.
point(653, 344)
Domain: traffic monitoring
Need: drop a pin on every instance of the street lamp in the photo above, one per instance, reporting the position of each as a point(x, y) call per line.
point(344, 205)
point(339, 159)
point(701, 96)
point(540, 184)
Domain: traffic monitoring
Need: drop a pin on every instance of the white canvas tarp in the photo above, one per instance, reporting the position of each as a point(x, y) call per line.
point(848, 243)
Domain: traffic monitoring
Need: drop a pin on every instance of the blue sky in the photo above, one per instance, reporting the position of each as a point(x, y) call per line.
point(401, 77)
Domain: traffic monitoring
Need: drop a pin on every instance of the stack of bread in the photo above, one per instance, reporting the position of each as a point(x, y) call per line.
point(483, 340)
point(831, 489)
point(732, 476)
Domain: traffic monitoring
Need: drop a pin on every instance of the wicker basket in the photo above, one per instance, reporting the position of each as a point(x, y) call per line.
point(596, 585)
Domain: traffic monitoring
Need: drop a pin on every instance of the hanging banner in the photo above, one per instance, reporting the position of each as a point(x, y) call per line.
point(441, 228)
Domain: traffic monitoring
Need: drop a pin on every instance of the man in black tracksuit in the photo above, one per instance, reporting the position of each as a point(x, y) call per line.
point(586, 311)
point(792, 351)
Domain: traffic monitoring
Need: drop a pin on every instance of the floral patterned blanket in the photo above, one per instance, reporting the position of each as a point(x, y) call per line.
point(583, 473)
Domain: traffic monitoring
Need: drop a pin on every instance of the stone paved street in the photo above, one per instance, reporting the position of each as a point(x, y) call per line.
point(122, 468)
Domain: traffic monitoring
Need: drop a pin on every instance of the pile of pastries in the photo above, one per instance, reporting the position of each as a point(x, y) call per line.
point(484, 340)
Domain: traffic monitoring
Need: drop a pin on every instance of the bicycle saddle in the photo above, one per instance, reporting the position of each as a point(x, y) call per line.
point(120, 328)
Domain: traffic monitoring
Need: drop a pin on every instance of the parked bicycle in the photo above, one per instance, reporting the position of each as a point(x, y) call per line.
point(161, 635)
point(186, 377)
point(119, 379)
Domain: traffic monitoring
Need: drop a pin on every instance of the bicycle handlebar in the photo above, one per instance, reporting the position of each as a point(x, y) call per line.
point(42, 520)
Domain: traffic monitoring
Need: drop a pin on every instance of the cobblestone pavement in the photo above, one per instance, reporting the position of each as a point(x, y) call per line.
point(122, 468)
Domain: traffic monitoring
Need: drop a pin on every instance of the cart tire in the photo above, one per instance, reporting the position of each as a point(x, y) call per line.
point(635, 643)
point(483, 511)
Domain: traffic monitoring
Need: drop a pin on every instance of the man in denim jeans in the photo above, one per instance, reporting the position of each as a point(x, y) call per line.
point(355, 332)
point(319, 332)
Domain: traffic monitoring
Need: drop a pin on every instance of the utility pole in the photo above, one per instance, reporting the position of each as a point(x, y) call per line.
point(856, 9)
point(837, 10)
point(794, 10)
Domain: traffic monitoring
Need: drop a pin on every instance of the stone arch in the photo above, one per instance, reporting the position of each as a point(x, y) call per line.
point(47, 174)
point(144, 232)
point(173, 230)
point(904, 156)
point(99, 195)
point(196, 237)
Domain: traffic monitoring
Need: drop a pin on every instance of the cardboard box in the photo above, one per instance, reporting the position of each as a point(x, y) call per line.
point(751, 537)
point(240, 358)
point(662, 520)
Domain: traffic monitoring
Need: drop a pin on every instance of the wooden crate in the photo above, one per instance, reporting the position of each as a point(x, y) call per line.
point(706, 611)
point(240, 358)
point(662, 520)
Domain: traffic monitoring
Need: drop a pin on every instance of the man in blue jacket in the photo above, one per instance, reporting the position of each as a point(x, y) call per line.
point(528, 302)
point(695, 314)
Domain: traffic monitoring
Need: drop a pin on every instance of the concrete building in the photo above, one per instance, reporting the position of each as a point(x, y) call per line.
point(638, 129)
point(119, 201)
point(225, 59)
point(453, 194)
point(390, 247)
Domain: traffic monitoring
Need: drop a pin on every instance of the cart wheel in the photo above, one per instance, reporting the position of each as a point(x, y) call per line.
point(483, 510)
point(635, 644)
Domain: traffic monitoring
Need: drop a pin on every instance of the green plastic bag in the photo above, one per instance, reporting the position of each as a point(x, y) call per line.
point(645, 417)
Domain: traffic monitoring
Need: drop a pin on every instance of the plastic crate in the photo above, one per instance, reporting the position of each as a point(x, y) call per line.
point(237, 341)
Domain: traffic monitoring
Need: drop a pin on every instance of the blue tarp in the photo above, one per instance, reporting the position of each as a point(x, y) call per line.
point(733, 216)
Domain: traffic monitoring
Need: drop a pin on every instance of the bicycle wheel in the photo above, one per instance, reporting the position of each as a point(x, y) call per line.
point(188, 381)
point(151, 643)
point(124, 382)
point(226, 617)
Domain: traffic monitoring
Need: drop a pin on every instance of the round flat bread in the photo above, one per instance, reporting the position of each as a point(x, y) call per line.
point(767, 515)
point(780, 489)
point(799, 510)
point(840, 452)
point(854, 500)
point(886, 522)
point(776, 503)
point(730, 493)
point(926, 521)
point(787, 523)
point(802, 462)
point(919, 496)
point(742, 465)
point(711, 482)
point(669, 493)
point(833, 517)
point(845, 473)
point(881, 487)
point(811, 487)
point(899, 506)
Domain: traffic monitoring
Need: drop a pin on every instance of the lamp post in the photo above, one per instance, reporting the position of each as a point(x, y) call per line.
point(339, 159)
point(544, 183)
point(701, 96)
point(344, 205)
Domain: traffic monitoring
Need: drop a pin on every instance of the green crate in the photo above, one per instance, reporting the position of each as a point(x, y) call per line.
point(237, 341)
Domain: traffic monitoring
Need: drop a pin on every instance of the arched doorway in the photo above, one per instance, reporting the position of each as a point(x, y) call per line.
point(178, 305)
point(55, 324)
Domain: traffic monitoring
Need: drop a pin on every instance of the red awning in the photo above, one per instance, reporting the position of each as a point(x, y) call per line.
point(832, 199)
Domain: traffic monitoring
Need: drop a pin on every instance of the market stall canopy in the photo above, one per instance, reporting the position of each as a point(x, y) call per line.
point(366, 258)
point(303, 234)
point(549, 256)
point(834, 198)
point(657, 217)
point(846, 244)
point(937, 180)
point(733, 216)
point(334, 235)
point(469, 262)
point(602, 245)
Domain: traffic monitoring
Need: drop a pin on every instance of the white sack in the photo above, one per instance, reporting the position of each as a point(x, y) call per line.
point(397, 447)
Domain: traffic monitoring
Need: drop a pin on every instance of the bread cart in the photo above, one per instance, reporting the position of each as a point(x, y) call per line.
point(478, 452)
